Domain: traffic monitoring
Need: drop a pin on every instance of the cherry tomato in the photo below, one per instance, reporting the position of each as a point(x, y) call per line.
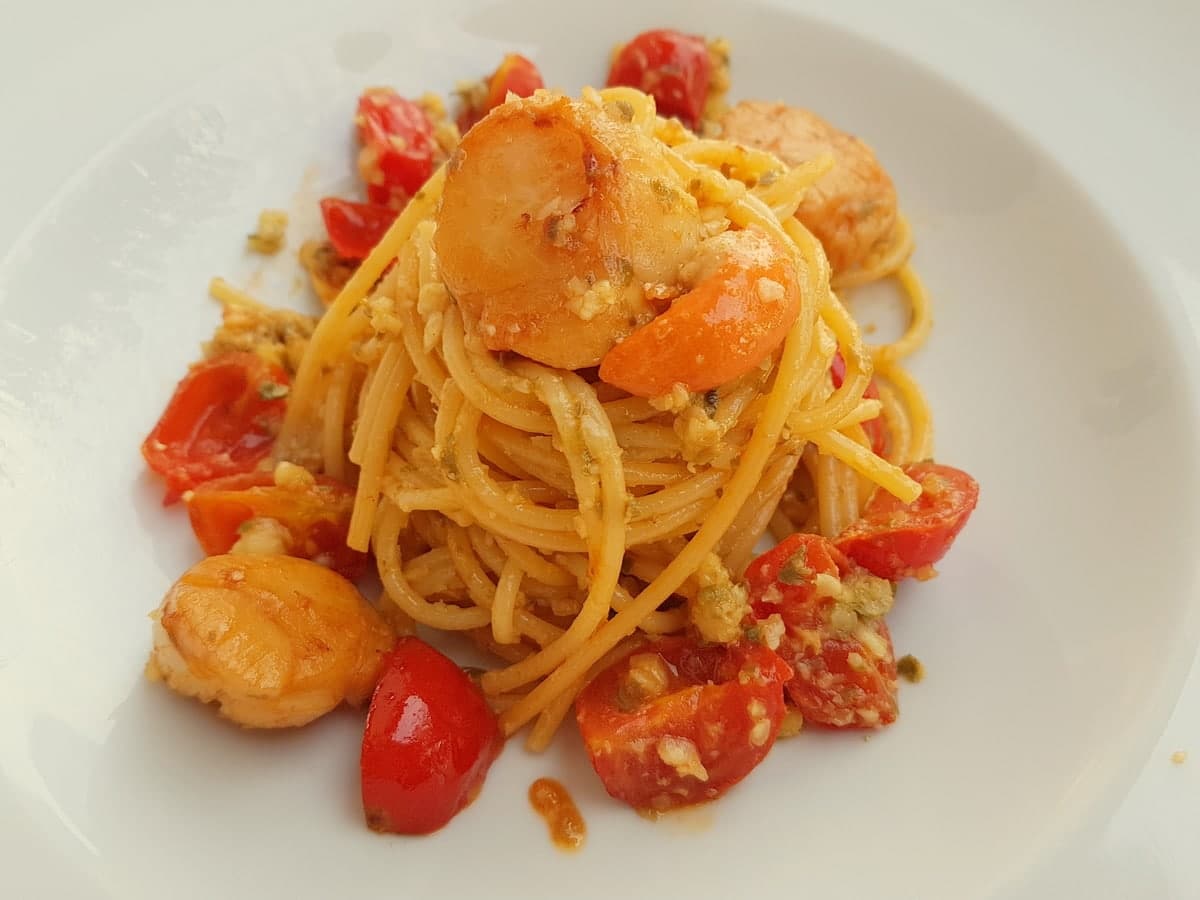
point(672, 67)
point(675, 723)
point(221, 420)
point(876, 428)
point(316, 516)
point(896, 540)
point(844, 664)
point(429, 741)
point(355, 228)
point(398, 146)
point(515, 73)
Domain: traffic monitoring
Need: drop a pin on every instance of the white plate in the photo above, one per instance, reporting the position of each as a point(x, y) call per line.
point(1058, 373)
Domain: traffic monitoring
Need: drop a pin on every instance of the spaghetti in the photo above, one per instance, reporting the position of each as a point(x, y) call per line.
point(574, 516)
point(575, 364)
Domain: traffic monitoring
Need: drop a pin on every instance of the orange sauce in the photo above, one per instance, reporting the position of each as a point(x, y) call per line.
point(552, 802)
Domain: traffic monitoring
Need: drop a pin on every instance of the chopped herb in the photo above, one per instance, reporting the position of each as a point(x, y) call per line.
point(269, 390)
point(753, 634)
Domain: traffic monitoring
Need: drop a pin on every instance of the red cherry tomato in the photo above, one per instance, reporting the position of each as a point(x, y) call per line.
point(844, 664)
point(355, 228)
point(672, 67)
point(316, 516)
point(675, 723)
point(429, 741)
point(515, 73)
point(876, 428)
point(221, 420)
point(397, 146)
point(897, 540)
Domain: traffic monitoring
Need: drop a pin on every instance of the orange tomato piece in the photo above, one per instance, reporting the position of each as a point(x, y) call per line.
point(316, 516)
point(737, 313)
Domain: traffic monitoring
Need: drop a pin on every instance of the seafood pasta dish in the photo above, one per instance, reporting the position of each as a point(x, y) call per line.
point(581, 356)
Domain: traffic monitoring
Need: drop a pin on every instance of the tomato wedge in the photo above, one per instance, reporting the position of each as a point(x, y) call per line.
point(315, 513)
point(839, 647)
point(355, 228)
point(429, 742)
point(672, 67)
point(221, 420)
point(876, 428)
point(397, 146)
point(719, 330)
point(516, 74)
point(675, 723)
point(895, 540)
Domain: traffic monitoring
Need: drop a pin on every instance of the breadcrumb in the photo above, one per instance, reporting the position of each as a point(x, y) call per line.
point(1179, 757)
point(910, 668)
point(272, 227)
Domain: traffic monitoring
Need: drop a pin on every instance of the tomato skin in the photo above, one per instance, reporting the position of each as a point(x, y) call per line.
point(827, 688)
point(221, 420)
point(355, 228)
point(876, 428)
point(317, 516)
point(672, 67)
point(397, 146)
point(895, 540)
point(718, 331)
point(429, 742)
point(515, 73)
point(730, 723)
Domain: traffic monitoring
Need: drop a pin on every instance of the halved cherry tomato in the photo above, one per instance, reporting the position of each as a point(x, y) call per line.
point(876, 428)
point(845, 667)
point(897, 540)
point(672, 67)
point(675, 723)
point(516, 74)
point(221, 420)
point(316, 515)
point(398, 146)
point(429, 742)
point(355, 228)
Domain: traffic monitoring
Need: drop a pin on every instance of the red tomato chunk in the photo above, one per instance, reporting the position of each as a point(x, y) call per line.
point(838, 646)
point(896, 540)
point(674, 68)
point(221, 420)
point(429, 742)
point(675, 723)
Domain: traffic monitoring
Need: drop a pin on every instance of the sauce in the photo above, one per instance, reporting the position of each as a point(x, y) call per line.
point(552, 802)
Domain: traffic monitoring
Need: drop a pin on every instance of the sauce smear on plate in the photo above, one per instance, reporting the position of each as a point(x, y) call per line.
point(552, 802)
